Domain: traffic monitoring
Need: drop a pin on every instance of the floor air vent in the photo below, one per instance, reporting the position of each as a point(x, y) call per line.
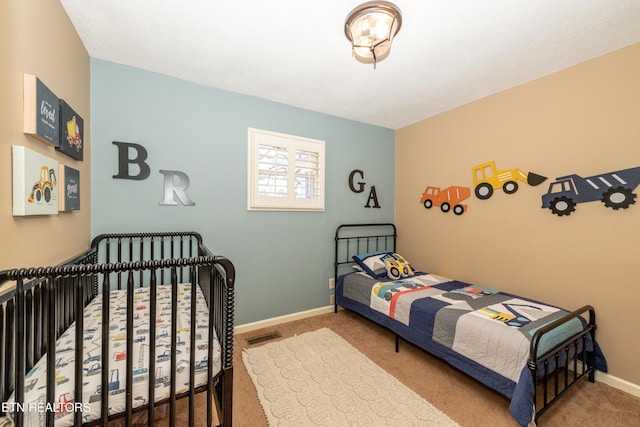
point(263, 338)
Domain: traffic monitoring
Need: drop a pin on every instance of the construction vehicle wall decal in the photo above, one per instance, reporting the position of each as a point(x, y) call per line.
point(43, 188)
point(487, 178)
point(614, 189)
point(446, 198)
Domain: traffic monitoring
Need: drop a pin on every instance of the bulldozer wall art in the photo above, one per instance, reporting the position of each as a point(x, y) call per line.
point(35, 183)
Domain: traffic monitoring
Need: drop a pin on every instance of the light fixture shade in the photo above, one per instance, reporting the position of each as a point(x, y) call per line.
point(371, 28)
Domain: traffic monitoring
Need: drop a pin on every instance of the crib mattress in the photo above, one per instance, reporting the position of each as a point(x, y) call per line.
point(35, 390)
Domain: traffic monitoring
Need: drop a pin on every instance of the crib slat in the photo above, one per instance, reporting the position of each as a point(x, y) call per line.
point(79, 347)
point(152, 347)
point(162, 244)
point(104, 351)
point(174, 347)
point(120, 260)
point(140, 258)
point(51, 347)
point(19, 350)
point(129, 352)
point(67, 302)
point(180, 253)
point(107, 255)
point(38, 320)
point(192, 347)
point(28, 331)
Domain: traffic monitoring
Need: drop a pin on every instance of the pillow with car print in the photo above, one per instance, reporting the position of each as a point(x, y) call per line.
point(384, 264)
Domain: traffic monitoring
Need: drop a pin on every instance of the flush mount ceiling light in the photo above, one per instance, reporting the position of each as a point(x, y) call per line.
point(371, 28)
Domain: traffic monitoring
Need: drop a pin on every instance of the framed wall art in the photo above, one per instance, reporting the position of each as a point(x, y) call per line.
point(35, 185)
point(41, 111)
point(71, 132)
point(69, 191)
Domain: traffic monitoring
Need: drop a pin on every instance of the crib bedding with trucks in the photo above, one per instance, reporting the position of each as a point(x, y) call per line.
point(35, 404)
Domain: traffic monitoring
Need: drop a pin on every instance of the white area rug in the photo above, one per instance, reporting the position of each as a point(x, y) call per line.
point(319, 379)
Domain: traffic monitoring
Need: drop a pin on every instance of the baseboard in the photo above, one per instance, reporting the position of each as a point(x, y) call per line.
point(603, 377)
point(248, 327)
point(619, 383)
point(615, 382)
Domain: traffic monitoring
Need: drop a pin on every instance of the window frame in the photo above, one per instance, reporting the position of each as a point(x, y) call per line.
point(291, 144)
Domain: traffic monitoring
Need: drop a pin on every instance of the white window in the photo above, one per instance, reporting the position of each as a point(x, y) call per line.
point(285, 172)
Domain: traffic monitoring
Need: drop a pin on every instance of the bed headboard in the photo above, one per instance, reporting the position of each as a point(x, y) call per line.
point(354, 239)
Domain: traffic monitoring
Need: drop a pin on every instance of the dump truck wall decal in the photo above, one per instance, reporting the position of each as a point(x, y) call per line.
point(614, 189)
point(448, 198)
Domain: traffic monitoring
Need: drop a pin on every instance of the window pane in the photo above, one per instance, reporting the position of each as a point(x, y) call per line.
point(272, 171)
point(272, 185)
point(307, 175)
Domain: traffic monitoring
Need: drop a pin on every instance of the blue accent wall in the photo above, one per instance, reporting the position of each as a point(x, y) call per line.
point(283, 259)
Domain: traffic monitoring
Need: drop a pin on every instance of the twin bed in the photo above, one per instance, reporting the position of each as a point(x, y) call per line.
point(528, 351)
point(136, 323)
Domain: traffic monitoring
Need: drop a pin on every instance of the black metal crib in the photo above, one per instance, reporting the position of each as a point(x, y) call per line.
point(39, 304)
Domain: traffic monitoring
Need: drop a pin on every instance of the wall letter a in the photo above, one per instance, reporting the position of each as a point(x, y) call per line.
point(372, 197)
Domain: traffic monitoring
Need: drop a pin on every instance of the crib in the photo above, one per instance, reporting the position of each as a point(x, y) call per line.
point(175, 341)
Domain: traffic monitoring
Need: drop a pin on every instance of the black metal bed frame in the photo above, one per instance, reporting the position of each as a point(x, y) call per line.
point(45, 301)
point(571, 355)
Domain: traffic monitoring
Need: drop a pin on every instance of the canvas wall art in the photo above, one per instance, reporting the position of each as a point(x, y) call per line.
point(71, 132)
point(69, 189)
point(35, 184)
point(41, 111)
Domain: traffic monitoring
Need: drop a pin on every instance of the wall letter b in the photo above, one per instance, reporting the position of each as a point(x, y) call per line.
point(124, 161)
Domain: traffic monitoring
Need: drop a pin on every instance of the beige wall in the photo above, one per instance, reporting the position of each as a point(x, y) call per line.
point(38, 38)
point(582, 120)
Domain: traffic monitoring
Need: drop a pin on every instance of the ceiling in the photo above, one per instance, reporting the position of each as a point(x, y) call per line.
point(447, 53)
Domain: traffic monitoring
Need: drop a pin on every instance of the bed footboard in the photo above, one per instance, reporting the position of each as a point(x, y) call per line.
point(46, 301)
point(565, 364)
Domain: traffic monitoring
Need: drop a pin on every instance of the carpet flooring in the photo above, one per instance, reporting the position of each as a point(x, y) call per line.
point(319, 379)
point(463, 399)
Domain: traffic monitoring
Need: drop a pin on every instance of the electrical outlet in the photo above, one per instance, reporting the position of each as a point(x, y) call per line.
point(332, 283)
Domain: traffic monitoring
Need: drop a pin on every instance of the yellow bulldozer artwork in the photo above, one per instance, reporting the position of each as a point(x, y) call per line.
point(486, 178)
point(44, 186)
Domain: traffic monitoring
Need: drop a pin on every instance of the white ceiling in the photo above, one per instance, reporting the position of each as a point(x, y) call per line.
point(448, 52)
